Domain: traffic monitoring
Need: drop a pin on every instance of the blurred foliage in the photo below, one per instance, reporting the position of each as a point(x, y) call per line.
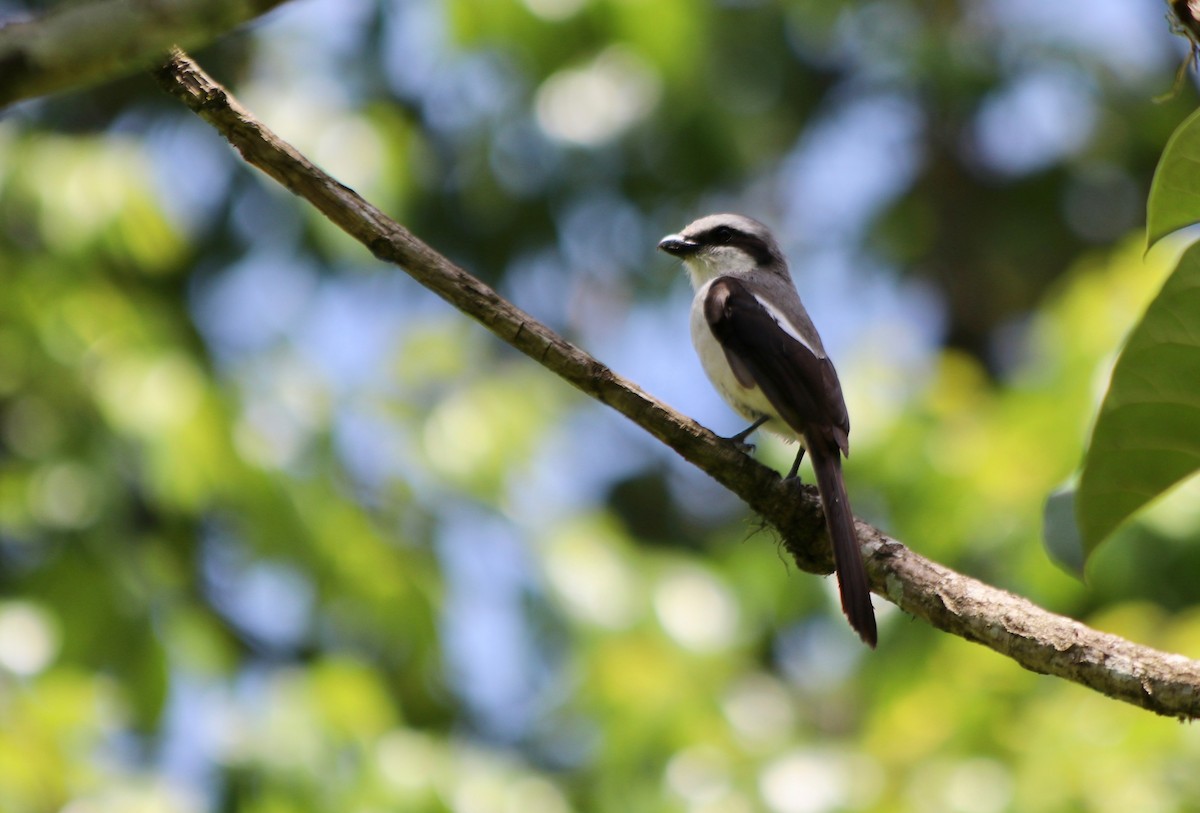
point(278, 531)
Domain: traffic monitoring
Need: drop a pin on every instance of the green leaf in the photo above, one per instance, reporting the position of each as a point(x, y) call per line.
point(1061, 531)
point(1147, 435)
point(1175, 192)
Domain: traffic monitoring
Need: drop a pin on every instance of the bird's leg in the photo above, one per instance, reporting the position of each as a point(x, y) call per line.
point(795, 470)
point(740, 437)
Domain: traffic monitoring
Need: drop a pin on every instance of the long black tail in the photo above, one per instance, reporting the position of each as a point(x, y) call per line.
point(847, 558)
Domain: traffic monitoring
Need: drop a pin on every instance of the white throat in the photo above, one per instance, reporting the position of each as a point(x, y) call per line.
point(718, 261)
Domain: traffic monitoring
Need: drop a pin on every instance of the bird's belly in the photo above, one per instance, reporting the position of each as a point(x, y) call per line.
point(749, 402)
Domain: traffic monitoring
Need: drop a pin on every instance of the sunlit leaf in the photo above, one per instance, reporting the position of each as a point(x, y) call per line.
point(1147, 435)
point(351, 699)
point(1175, 192)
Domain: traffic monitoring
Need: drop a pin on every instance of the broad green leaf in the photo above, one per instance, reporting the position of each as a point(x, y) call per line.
point(1175, 192)
point(1147, 435)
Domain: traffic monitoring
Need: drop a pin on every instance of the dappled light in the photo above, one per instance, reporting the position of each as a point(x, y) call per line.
point(596, 103)
point(281, 530)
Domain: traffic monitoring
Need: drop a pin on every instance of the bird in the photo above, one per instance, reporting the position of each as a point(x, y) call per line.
point(762, 353)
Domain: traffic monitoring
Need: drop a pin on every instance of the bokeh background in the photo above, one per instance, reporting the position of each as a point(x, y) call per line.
point(280, 531)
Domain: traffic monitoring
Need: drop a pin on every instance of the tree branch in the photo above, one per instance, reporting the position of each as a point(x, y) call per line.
point(1033, 637)
point(84, 43)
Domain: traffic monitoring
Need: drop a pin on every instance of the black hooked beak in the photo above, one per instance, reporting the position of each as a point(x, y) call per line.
point(678, 245)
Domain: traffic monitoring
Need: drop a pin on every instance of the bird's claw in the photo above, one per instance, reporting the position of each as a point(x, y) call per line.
point(744, 447)
point(740, 438)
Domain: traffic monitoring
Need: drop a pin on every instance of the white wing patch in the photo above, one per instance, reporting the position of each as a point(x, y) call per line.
point(786, 325)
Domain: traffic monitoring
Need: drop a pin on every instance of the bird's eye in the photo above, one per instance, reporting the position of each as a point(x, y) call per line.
point(722, 234)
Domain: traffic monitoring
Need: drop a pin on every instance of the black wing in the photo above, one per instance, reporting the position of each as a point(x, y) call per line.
point(801, 385)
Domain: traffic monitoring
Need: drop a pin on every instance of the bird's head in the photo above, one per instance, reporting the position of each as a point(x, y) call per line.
point(724, 244)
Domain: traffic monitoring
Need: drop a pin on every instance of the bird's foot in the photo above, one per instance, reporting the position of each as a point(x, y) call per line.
point(740, 438)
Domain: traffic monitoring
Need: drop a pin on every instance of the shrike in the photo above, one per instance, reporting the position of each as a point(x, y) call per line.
point(762, 353)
